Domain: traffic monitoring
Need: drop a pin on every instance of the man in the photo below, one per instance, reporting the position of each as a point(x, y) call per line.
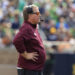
point(29, 44)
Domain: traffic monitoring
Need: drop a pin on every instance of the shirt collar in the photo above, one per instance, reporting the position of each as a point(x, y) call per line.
point(33, 25)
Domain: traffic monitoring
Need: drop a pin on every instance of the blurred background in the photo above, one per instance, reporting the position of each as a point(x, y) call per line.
point(57, 29)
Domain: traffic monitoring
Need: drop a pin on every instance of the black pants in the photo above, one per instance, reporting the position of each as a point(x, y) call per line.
point(29, 72)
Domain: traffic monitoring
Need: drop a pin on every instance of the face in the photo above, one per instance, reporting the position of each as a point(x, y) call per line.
point(35, 16)
point(62, 19)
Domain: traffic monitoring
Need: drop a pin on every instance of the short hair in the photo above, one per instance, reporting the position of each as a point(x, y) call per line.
point(28, 10)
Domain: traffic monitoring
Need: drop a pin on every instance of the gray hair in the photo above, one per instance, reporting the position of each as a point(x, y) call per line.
point(25, 11)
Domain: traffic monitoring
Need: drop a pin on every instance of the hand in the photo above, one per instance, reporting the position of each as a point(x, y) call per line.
point(30, 56)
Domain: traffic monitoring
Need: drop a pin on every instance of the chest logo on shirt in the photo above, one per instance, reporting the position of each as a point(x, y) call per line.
point(35, 34)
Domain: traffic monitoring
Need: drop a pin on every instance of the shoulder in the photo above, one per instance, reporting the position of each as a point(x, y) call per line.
point(26, 29)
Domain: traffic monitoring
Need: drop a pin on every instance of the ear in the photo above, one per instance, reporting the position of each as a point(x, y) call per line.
point(29, 16)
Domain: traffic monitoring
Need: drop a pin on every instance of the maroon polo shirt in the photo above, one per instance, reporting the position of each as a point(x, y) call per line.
point(28, 39)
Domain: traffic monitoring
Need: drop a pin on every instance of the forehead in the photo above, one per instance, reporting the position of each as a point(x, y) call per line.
point(35, 9)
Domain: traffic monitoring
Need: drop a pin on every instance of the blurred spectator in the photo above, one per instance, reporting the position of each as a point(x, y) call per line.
point(62, 23)
point(71, 20)
point(16, 23)
point(73, 6)
point(47, 16)
point(1, 12)
point(6, 41)
point(62, 34)
point(7, 30)
point(52, 36)
point(5, 19)
point(8, 7)
point(59, 10)
point(42, 9)
point(1, 31)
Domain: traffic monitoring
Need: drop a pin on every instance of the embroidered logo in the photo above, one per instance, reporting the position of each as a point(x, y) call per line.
point(35, 34)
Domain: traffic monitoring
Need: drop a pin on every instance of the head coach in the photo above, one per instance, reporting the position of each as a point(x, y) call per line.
point(29, 44)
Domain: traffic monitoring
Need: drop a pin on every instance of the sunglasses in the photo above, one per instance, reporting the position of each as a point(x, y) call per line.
point(37, 13)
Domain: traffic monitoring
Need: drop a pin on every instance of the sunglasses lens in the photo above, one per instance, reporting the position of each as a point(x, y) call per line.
point(38, 13)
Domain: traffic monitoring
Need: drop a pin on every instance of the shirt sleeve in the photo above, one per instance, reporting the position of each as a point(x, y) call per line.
point(20, 41)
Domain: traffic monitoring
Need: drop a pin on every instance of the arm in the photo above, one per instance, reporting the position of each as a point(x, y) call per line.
point(19, 42)
point(30, 56)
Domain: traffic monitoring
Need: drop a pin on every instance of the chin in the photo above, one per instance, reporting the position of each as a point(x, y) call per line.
point(37, 22)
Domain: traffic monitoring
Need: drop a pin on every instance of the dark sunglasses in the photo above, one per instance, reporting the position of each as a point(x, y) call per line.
point(37, 13)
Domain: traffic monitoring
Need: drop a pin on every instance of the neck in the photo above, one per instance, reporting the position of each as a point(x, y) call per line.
point(32, 24)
